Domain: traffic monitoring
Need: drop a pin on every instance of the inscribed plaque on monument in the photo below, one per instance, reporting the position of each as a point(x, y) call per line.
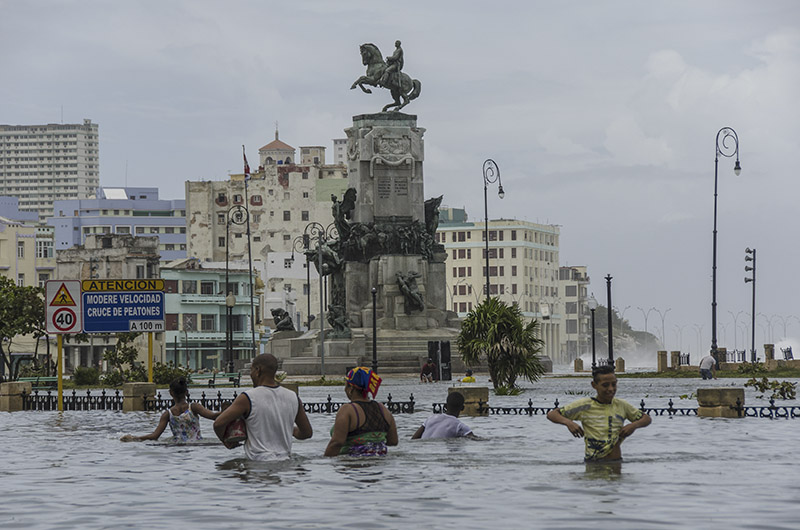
point(391, 190)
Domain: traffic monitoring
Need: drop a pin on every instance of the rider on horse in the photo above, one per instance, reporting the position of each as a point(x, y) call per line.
point(395, 64)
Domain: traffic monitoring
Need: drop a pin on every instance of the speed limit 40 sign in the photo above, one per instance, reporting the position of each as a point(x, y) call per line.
point(63, 303)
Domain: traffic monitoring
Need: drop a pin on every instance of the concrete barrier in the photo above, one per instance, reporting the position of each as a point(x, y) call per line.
point(135, 394)
point(662, 365)
point(769, 352)
point(719, 402)
point(578, 365)
point(619, 365)
point(11, 395)
point(473, 395)
point(674, 360)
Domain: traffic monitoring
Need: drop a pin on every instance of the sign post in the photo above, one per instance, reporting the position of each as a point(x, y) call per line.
point(63, 315)
point(124, 306)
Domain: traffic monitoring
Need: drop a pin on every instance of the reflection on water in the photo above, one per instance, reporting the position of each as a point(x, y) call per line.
point(66, 469)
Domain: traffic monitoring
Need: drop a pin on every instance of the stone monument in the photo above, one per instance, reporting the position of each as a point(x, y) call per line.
point(385, 231)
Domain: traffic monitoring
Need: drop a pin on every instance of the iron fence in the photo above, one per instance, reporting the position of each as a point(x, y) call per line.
point(72, 401)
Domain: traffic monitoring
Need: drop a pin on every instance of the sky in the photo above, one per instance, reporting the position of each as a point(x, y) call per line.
point(602, 117)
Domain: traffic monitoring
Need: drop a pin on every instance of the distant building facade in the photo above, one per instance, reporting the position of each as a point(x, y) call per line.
point(41, 164)
point(340, 151)
point(196, 318)
point(26, 248)
point(523, 269)
point(108, 257)
point(576, 338)
point(282, 198)
point(123, 211)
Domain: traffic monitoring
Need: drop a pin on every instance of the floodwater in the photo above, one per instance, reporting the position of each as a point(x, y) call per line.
point(69, 470)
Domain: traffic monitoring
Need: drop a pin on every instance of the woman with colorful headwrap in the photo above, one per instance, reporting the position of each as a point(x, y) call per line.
point(365, 427)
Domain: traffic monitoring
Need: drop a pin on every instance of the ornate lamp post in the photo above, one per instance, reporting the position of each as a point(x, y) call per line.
point(735, 326)
point(592, 303)
point(724, 136)
point(491, 174)
point(237, 215)
point(646, 315)
point(751, 256)
point(319, 233)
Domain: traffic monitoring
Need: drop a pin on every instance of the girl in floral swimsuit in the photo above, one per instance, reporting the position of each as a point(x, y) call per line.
point(363, 427)
point(183, 418)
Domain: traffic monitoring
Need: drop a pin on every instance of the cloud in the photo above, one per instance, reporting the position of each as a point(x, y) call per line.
point(630, 146)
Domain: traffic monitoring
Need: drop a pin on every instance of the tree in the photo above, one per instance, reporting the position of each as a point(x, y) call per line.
point(21, 313)
point(511, 347)
point(123, 353)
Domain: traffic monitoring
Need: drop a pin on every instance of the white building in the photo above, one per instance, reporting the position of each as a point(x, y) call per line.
point(340, 151)
point(523, 269)
point(40, 164)
point(576, 338)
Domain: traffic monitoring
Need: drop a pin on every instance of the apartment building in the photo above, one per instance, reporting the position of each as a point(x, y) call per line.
point(576, 338)
point(282, 199)
point(26, 248)
point(123, 211)
point(196, 314)
point(523, 269)
point(41, 164)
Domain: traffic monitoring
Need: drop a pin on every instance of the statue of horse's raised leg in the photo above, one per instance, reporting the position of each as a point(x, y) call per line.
point(360, 84)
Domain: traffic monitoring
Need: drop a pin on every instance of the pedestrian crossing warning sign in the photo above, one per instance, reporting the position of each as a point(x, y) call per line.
point(62, 297)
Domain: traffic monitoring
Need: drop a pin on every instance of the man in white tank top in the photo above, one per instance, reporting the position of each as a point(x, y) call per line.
point(272, 414)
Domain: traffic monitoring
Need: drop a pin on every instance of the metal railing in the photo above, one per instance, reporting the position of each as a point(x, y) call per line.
point(72, 401)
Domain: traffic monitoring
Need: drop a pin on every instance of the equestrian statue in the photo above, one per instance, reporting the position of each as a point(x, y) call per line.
point(387, 74)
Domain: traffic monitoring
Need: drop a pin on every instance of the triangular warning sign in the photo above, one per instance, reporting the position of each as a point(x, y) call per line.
point(62, 297)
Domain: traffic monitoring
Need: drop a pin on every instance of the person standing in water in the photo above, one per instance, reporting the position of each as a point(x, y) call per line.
point(183, 418)
point(602, 418)
point(273, 414)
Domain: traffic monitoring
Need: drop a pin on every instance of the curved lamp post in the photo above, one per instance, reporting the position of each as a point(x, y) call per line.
point(646, 315)
point(491, 174)
point(592, 303)
point(317, 232)
point(727, 145)
point(663, 334)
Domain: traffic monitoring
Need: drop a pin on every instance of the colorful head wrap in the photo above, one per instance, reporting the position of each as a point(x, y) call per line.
point(365, 379)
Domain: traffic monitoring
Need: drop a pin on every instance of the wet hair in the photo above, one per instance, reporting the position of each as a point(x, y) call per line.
point(602, 370)
point(469, 372)
point(267, 363)
point(455, 402)
point(179, 386)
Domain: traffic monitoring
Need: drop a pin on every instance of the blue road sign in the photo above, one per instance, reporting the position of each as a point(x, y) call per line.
point(118, 312)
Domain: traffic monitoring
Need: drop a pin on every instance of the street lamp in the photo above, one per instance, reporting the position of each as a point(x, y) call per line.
point(698, 329)
point(316, 231)
point(751, 256)
point(374, 330)
point(722, 148)
point(592, 303)
point(736, 326)
point(230, 302)
point(302, 243)
point(610, 329)
point(646, 316)
point(491, 174)
point(663, 316)
point(679, 335)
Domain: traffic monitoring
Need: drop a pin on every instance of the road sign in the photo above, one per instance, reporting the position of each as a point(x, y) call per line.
point(63, 306)
point(117, 312)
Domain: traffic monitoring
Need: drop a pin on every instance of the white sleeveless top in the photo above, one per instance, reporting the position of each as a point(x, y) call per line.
point(270, 422)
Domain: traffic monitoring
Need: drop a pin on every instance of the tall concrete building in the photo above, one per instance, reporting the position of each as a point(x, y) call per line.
point(40, 164)
point(576, 338)
point(340, 151)
point(282, 198)
point(523, 269)
point(127, 211)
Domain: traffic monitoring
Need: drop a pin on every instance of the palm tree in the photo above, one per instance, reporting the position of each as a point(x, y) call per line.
point(499, 332)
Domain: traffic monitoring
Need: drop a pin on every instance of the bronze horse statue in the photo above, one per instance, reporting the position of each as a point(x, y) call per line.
point(399, 84)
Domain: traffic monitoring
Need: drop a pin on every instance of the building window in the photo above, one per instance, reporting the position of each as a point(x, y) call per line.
point(513, 235)
point(256, 200)
point(140, 271)
point(21, 280)
point(305, 176)
point(220, 241)
point(189, 322)
point(140, 230)
point(169, 230)
point(287, 237)
point(571, 290)
point(305, 195)
point(572, 308)
point(462, 236)
point(304, 215)
point(513, 270)
point(44, 249)
point(455, 254)
point(123, 229)
point(220, 218)
point(237, 199)
point(287, 215)
point(287, 263)
point(256, 217)
point(43, 278)
point(462, 253)
point(207, 323)
point(305, 289)
point(286, 195)
point(462, 271)
point(513, 252)
point(20, 249)
point(189, 286)
point(513, 288)
point(206, 287)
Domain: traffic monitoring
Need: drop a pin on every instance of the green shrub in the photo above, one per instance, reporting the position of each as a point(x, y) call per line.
point(508, 391)
point(84, 376)
point(780, 389)
point(164, 374)
point(114, 378)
